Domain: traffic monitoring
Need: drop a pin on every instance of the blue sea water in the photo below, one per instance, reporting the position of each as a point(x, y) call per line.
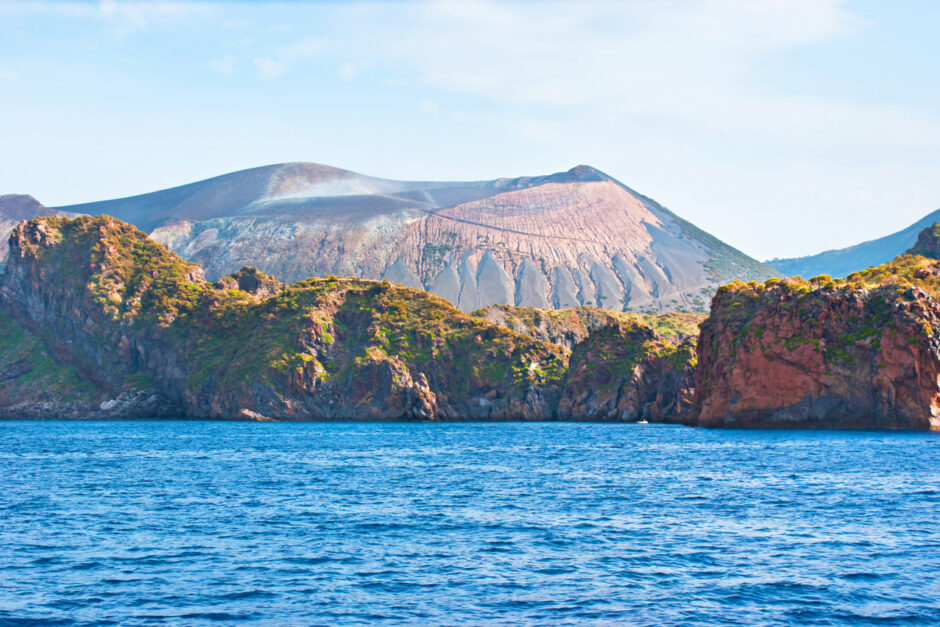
point(299, 524)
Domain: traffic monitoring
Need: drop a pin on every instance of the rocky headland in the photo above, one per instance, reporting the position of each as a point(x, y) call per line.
point(863, 352)
point(129, 329)
point(928, 243)
point(100, 321)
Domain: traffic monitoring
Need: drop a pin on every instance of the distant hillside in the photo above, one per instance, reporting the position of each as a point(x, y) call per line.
point(845, 261)
point(575, 238)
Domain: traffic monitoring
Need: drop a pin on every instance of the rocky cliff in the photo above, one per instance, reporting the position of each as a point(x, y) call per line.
point(859, 353)
point(928, 242)
point(99, 321)
point(15, 208)
point(563, 240)
point(138, 331)
point(568, 327)
point(626, 371)
point(622, 367)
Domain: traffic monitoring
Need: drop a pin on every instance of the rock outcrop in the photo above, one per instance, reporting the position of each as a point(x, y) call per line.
point(121, 309)
point(563, 240)
point(568, 327)
point(928, 243)
point(14, 208)
point(131, 330)
point(99, 321)
point(628, 372)
point(623, 367)
point(860, 353)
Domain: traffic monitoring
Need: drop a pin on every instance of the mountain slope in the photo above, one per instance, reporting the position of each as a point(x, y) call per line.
point(844, 261)
point(567, 239)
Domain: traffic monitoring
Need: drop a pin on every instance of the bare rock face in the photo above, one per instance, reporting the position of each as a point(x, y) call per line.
point(567, 239)
point(864, 353)
point(623, 367)
point(928, 242)
point(255, 282)
point(629, 373)
point(15, 208)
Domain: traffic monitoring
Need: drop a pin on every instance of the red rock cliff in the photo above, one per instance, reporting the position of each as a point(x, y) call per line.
point(859, 353)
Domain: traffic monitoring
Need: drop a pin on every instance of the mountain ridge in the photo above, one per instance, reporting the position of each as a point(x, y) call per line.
point(573, 238)
point(841, 262)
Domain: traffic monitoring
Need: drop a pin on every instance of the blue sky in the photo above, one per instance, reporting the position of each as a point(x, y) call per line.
point(782, 127)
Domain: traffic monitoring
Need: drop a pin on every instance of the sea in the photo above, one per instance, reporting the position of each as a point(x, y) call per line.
point(239, 523)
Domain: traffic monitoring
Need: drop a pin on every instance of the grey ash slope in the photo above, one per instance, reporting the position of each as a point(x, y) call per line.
point(844, 261)
point(566, 239)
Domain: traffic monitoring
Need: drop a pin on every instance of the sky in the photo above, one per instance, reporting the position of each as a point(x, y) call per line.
point(783, 127)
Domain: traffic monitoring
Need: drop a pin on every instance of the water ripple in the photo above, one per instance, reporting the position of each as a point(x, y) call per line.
point(144, 523)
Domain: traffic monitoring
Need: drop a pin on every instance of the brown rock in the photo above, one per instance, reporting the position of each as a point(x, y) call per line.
point(794, 354)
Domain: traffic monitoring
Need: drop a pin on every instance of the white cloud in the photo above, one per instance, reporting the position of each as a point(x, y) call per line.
point(276, 64)
point(8, 75)
point(270, 68)
point(223, 65)
point(685, 64)
point(130, 16)
point(123, 16)
point(347, 71)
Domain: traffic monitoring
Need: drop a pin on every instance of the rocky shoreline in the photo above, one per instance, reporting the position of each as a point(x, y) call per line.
point(103, 323)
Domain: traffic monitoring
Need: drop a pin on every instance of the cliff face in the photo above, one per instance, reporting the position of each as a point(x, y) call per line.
point(128, 315)
point(928, 243)
point(15, 208)
point(563, 240)
point(568, 327)
point(137, 331)
point(622, 366)
point(628, 372)
point(99, 321)
point(860, 353)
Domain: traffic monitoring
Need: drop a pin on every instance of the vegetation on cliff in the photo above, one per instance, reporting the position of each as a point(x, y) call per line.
point(928, 242)
point(567, 327)
point(134, 316)
point(623, 366)
point(30, 373)
point(220, 347)
point(117, 316)
point(860, 351)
